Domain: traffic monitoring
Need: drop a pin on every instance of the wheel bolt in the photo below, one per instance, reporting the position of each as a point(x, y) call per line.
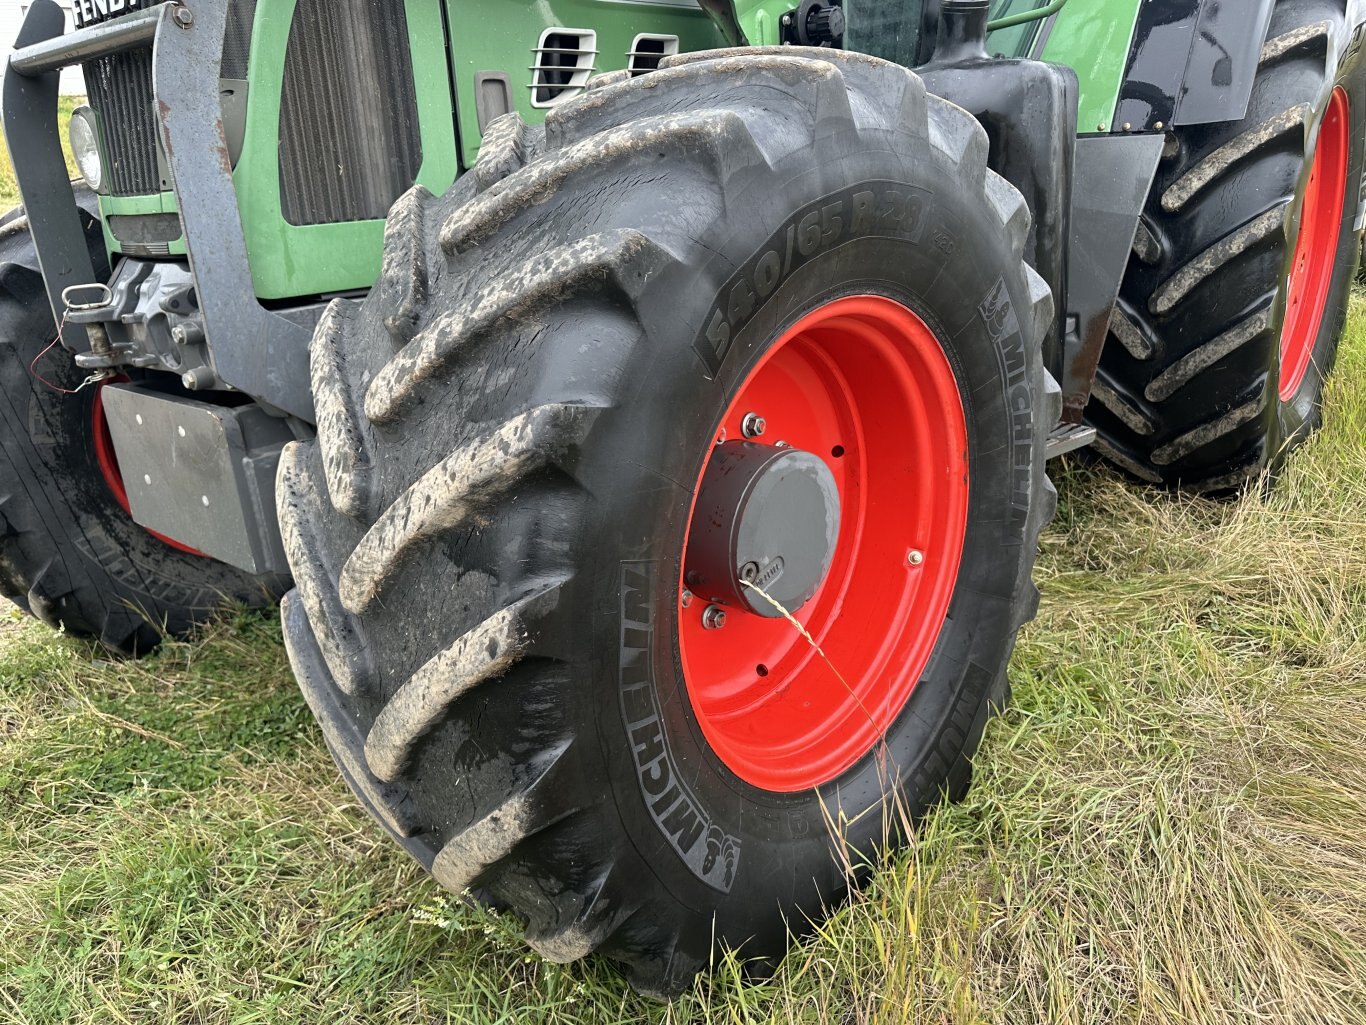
point(714, 618)
point(753, 425)
point(915, 558)
point(686, 600)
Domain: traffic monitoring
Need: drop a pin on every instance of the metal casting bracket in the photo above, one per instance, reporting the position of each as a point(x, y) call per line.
point(254, 350)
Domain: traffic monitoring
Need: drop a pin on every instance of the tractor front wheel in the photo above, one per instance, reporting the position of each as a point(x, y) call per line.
point(674, 501)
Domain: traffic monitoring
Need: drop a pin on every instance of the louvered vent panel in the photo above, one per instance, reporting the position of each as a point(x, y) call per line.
point(647, 50)
point(561, 65)
point(350, 142)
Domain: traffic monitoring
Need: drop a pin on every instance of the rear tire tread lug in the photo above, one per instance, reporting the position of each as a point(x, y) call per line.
point(618, 260)
point(466, 482)
point(404, 280)
point(342, 436)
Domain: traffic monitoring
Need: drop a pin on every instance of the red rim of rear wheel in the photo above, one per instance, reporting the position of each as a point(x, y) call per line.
point(863, 383)
point(1316, 252)
point(109, 468)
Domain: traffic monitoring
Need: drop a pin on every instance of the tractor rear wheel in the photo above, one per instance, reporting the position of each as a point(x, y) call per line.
point(70, 553)
point(753, 330)
point(1236, 295)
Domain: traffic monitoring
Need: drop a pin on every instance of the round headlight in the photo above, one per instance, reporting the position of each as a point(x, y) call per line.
point(85, 147)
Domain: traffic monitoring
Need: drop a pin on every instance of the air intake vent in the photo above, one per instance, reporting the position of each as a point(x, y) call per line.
point(648, 50)
point(563, 60)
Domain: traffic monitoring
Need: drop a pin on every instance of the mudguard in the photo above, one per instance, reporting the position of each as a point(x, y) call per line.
point(1191, 62)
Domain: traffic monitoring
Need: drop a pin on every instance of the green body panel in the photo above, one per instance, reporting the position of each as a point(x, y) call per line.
point(1093, 37)
point(497, 35)
point(288, 261)
point(1017, 40)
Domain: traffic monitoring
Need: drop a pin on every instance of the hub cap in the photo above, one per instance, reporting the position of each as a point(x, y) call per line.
point(765, 522)
point(1311, 269)
point(849, 510)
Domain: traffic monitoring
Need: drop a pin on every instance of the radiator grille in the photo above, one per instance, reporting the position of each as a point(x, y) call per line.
point(237, 39)
point(120, 88)
point(350, 143)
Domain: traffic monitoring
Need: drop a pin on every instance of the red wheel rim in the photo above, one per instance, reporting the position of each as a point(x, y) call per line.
point(1311, 269)
point(864, 383)
point(109, 468)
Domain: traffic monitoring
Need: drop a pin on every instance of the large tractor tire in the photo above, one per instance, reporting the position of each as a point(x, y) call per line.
point(1236, 295)
point(70, 553)
point(754, 324)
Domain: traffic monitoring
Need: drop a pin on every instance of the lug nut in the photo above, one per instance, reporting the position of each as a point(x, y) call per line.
point(753, 425)
point(915, 558)
point(686, 599)
point(714, 618)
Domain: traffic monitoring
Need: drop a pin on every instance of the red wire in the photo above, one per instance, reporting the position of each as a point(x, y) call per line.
point(33, 367)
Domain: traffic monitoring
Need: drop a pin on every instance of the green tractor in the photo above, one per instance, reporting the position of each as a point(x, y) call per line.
point(643, 406)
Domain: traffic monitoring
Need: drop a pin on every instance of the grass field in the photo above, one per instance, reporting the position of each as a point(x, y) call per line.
point(1169, 824)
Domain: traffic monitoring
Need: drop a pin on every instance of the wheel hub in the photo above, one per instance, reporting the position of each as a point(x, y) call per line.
point(766, 520)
